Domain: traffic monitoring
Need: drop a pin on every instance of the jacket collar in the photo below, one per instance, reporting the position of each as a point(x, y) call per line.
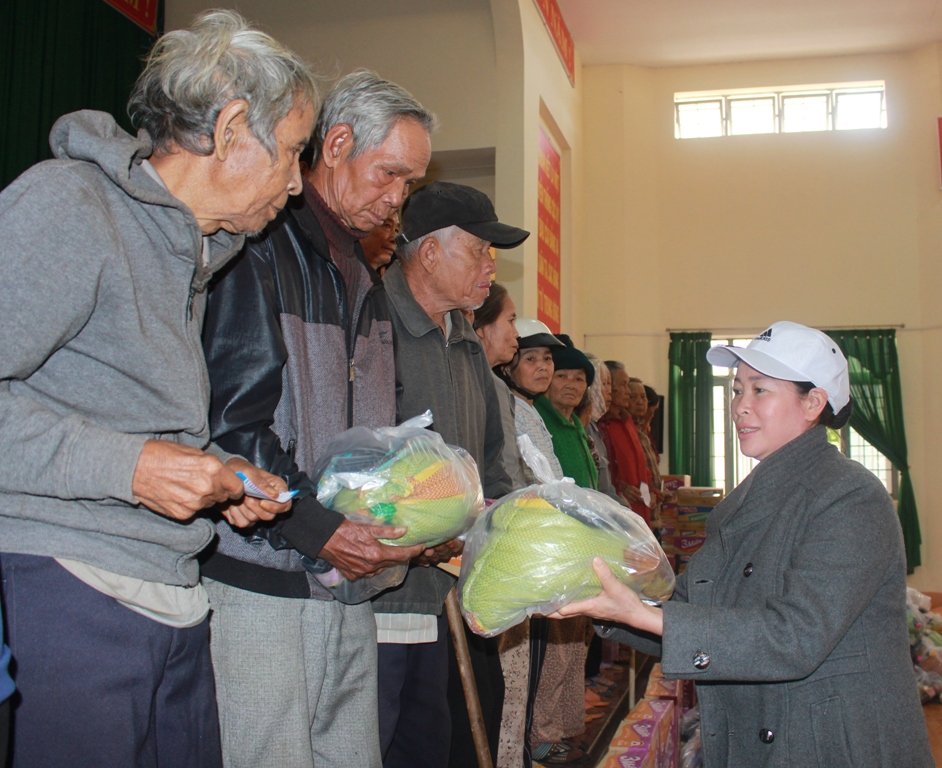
point(776, 477)
point(414, 317)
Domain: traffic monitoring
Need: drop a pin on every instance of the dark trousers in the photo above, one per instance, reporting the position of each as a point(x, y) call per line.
point(98, 685)
point(414, 722)
point(4, 732)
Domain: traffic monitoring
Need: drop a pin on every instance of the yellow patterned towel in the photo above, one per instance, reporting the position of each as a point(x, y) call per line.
point(420, 482)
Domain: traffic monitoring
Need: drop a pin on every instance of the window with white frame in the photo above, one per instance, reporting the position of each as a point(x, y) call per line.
point(730, 466)
point(785, 109)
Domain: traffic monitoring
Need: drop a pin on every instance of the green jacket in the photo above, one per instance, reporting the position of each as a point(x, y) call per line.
point(569, 444)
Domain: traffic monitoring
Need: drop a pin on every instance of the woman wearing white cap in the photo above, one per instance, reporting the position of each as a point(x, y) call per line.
point(791, 618)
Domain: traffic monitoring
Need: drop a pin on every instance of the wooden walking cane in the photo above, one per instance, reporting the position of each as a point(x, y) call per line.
point(478, 732)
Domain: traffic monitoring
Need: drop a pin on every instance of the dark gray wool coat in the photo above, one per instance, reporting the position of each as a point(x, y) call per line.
point(792, 621)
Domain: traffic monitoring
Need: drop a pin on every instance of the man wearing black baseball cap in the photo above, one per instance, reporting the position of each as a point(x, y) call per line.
point(444, 266)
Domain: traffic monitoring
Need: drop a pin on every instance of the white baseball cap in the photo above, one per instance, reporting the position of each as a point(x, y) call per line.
point(793, 352)
point(534, 333)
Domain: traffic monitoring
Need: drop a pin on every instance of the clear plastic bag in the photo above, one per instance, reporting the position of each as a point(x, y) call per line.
point(405, 476)
point(532, 552)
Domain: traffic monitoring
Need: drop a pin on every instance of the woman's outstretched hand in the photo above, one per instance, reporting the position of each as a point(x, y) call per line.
point(615, 603)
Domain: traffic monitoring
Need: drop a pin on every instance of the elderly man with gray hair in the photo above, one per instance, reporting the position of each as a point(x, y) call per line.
point(105, 455)
point(445, 266)
point(299, 342)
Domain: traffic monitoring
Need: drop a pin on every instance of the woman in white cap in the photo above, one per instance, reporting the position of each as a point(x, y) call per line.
point(529, 375)
point(791, 618)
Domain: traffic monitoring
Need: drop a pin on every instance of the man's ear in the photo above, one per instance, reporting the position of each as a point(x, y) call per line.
point(231, 120)
point(429, 254)
point(337, 144)
point(814, 403)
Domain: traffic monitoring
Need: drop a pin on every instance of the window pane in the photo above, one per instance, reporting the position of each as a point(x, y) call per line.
point(751, 116)
point(697, 119)
point(858, 110)
point(860, 450)
point(804, 113)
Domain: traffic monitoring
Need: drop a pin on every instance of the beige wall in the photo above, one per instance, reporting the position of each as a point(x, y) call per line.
point(828, 229)
point(489, 71)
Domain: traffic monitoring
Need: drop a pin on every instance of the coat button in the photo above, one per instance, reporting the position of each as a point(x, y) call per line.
point(766, 736)
point(747, 571)
point(701, 660)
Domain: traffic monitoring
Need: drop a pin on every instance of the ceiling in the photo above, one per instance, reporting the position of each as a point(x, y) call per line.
point(660, 33)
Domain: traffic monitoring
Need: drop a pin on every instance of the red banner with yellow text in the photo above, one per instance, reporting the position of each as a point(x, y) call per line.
point(141, 12)
point(559, 32)
point(548, 246)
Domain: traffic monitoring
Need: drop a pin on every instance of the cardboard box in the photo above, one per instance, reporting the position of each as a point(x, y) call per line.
point(682, 545)
point(661, 688)
point(683, 527)
point(670, 483)
point(688, 696)
point(699, 496)
point(650, 729)
point(693, 514)
point(618, 758)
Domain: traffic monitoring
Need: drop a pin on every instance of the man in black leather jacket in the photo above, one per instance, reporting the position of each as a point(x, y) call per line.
point(299, 343)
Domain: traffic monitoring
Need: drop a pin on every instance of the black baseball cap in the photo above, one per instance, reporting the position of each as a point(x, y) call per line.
point(444, 204)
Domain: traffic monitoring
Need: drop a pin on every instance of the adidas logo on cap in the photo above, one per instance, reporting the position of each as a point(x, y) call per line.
point(766, 335)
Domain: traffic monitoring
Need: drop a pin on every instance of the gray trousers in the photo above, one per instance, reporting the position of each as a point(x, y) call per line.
point(295, 680)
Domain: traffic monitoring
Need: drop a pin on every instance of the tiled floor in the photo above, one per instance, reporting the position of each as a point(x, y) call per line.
point(934, 722)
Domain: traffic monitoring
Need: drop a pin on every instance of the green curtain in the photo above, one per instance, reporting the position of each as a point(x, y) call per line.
point(58, 56)
point(690, 408)
point(878, 415)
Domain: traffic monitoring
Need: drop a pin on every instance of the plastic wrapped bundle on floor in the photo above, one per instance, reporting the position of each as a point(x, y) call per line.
point(532, 553)
point(403, 475)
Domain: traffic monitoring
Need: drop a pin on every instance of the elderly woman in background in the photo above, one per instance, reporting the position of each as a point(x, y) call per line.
point(573, 373)
point(528, 376)
point(640, 414)
point(625, 454)
point(595, 404)
point(494, 323)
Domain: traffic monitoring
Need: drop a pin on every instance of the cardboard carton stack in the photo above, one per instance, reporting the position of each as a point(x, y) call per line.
point(684, 517)
point(646, 738)
point(649, 737)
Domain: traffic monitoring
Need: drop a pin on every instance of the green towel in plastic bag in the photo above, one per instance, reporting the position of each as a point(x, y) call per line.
point(405, 476)
point(532, 553)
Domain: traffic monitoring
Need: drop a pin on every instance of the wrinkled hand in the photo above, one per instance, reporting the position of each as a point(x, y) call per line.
point(355, 552)
point(440, 554)
point(177, 481)
point(616, 602)
point(249, 510)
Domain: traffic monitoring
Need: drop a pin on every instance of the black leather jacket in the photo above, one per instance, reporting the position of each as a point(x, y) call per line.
point(291, 366)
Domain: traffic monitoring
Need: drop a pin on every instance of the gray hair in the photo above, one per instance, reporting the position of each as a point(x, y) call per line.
point(408, 251)
point(614, 365)
point(371, 107)
point(192, 73)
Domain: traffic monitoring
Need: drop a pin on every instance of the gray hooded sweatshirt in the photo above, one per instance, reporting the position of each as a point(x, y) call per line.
point(102, 292)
